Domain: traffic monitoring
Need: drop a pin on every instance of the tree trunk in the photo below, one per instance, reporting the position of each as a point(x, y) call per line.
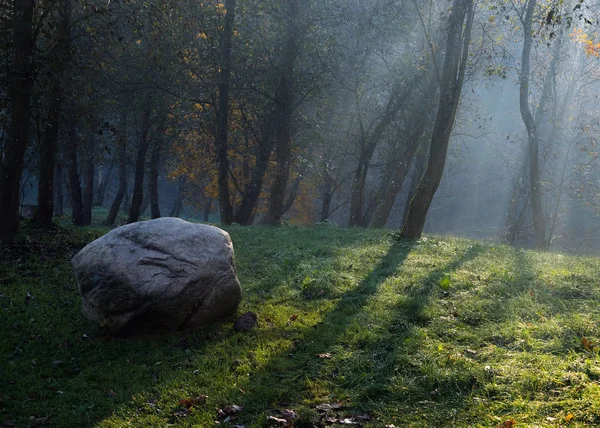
point(122, 154)
point(73, 173)
point(178, 203)
point(207, 208)
point(45, 208)
point(59, 206)
point(251, 196)
point(140, 165)
point(358, 190)
point(104, 181)
point(284, 108)
point(532, 131)
point(20, 87)
point(88, 181)
point(417, 175)
point(520, 196)
point(221, 141)
point(455, 62)
point(370, 141)
point(154, 172)
point(420, 122)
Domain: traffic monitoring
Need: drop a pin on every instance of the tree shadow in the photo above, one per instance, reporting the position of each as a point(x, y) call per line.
point(282, 369)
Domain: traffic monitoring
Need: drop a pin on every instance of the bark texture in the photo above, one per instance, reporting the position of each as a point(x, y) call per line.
point(460, 23)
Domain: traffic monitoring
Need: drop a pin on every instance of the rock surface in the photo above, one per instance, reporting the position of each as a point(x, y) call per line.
point(156, 275)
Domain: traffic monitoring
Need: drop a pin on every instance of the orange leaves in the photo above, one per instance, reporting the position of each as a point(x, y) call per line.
point(191, 402)
point(588, 345)
point(591, 48)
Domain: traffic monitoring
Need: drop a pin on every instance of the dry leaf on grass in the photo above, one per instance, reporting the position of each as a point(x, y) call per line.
point(194, 401)
point(325, 356)
point(508, 424)
point(279, 421)
point(326, 407)
point(589, 346)
point(289, 414)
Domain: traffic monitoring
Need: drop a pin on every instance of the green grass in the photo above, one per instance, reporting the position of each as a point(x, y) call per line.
point(436, 332)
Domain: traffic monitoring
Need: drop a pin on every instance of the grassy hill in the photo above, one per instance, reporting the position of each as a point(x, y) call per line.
point(435, 332)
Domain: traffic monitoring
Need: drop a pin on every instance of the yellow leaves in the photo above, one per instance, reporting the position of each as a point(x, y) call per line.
point(569, 417)
point(590, 48)
point(201, 36)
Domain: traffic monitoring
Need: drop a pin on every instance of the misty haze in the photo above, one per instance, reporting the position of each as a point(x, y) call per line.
point(411, 187)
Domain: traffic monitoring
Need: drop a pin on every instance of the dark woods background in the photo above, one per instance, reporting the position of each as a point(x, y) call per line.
point(466, 117)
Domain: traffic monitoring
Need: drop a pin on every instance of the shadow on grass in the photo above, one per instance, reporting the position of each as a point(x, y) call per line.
point(56, 364)
point(294, 370)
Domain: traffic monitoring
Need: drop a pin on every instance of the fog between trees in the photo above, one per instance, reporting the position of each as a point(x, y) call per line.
point(466, 117)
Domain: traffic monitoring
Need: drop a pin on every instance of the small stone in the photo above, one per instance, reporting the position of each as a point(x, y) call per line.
point(246, 322)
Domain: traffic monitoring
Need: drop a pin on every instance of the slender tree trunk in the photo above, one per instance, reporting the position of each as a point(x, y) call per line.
point(327, 187)
point(122, 155)
point(73, 173)
point(88, 181)
point(178, 203)
point(45, 208)
point(222, 134)
point(417, 175)
point(420, 123)
point(153, 173)
point(284, 108)
point(532, 131)
point(59, 206)
point(369, 142)
point(251, 196)
point(358, 190)
point(140, 165)
point(104, 181)
point(207, 208)
point(520, 196)
point(20, 86)
point(455, 62)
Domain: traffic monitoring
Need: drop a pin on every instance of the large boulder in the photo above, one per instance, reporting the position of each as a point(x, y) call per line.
point(156, 275)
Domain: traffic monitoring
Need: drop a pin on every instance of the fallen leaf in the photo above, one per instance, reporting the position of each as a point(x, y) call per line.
point(390, 426)
point(470, 352)
point(589, 346)
point(228, 411)
point(289, 415)
point(294, 317)
point(326, 407)
point(551, 419)
point(508, 424)
point(194, 401)
point(569, 416)
point(348, 421)
point(331, 420)
point(277, 420)
point(325, 356)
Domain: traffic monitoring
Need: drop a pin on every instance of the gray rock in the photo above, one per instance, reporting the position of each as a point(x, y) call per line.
point(156, 275)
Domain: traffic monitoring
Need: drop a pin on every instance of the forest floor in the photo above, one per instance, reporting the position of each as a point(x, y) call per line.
point(356, 327)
